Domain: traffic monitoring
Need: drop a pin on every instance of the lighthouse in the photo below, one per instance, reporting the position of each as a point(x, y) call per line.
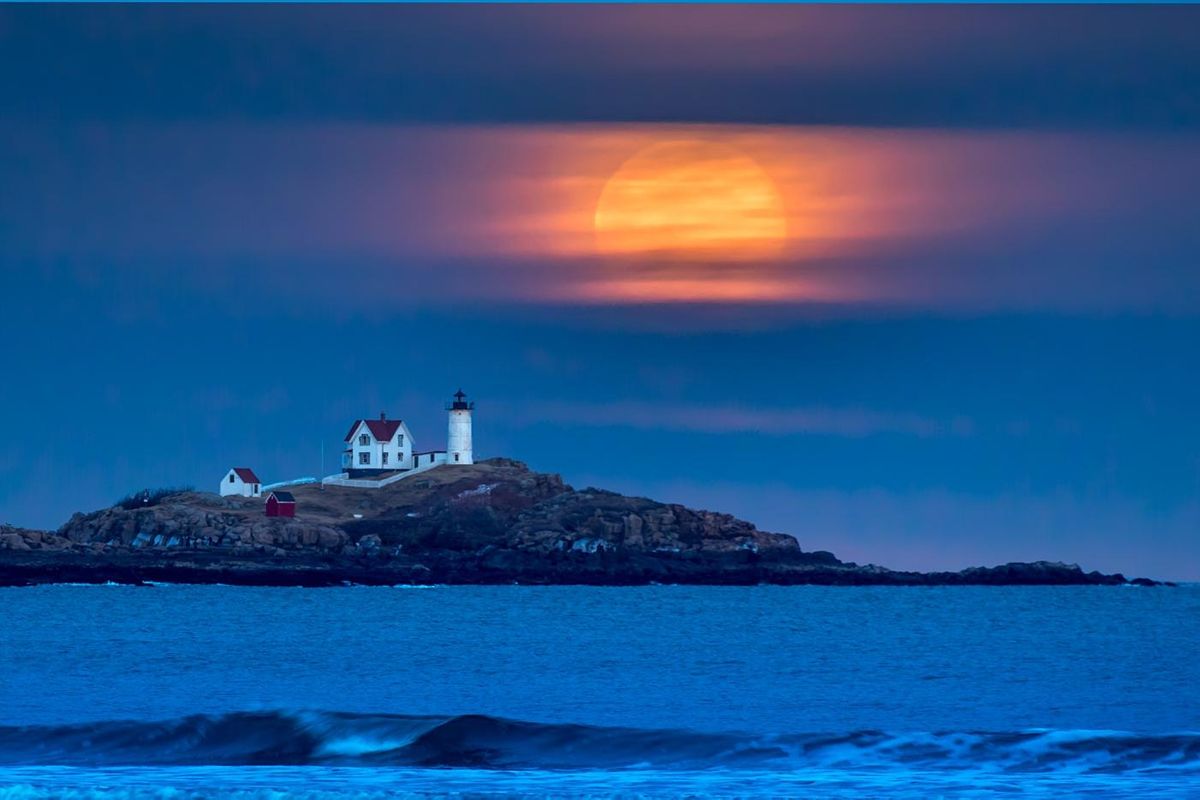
point(458, 438)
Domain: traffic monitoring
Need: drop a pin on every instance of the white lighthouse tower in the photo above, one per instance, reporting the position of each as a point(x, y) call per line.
point(458, 438)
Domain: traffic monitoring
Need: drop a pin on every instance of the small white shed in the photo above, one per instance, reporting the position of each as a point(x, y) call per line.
point(241, 481)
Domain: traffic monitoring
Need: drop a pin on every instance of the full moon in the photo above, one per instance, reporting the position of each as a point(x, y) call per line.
point(691, 198)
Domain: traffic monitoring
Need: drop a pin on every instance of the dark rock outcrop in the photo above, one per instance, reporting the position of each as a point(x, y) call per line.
point(24, 540)
point(492, 522)
point(192, 521)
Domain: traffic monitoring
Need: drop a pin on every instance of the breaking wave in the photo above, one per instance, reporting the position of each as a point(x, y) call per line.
point(483, 742)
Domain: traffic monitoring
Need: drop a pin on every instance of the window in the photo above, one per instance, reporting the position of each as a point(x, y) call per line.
point(456, 456)
point(231, 477)
point(364, 458)
point(256, 487)
point(385, 455)
point(364, 439)
point(400, 440)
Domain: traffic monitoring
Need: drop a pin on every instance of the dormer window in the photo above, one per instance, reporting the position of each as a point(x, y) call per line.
point(364, 440)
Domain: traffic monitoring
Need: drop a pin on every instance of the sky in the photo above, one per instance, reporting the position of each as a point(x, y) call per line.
point(917, 285)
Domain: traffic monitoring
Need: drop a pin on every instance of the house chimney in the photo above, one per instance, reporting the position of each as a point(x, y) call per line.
point(382, 417)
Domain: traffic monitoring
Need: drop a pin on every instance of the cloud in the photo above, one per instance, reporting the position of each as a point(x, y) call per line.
point(910, 66)
point(672, 416)
point(380, 217)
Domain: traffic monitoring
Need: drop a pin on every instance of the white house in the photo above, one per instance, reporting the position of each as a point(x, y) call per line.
point(241, 481)
point(377, 445)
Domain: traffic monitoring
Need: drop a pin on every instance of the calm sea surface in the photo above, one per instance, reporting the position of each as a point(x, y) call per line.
point(176, 691)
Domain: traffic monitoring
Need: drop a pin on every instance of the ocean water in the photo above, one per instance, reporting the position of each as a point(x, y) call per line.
point(225, 692)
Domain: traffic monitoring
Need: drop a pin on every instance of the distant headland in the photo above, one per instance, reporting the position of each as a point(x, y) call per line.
point(491, 522)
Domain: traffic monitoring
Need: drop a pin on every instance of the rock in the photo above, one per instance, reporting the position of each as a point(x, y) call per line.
point(635, 524)
point(492, 522)
point(329, 539)
point(13, 541)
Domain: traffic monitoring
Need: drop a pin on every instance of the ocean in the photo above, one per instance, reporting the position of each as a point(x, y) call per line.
point(226, 692)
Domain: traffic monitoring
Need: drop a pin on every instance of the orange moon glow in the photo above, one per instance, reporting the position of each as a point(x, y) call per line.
point(691, 198)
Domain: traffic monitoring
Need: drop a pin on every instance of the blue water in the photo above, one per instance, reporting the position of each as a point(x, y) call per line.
point(182, 692)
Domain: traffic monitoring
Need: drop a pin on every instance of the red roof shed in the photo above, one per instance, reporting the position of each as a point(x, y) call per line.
point(281, 504)
point(246, 474)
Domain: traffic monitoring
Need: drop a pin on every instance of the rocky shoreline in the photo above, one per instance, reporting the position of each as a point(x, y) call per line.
point(496, 522)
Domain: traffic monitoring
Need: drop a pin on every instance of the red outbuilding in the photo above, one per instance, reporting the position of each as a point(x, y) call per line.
point(281, 504)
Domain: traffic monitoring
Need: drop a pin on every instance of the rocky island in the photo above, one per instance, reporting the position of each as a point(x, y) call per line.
point(492, 522)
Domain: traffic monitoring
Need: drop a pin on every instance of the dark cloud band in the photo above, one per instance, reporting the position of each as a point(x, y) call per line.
point(944, 66)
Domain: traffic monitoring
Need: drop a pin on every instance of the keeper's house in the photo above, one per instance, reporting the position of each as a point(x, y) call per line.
point(375, 446)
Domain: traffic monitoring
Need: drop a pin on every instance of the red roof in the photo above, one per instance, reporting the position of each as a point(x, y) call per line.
point(246, 474)
point(382, 429)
